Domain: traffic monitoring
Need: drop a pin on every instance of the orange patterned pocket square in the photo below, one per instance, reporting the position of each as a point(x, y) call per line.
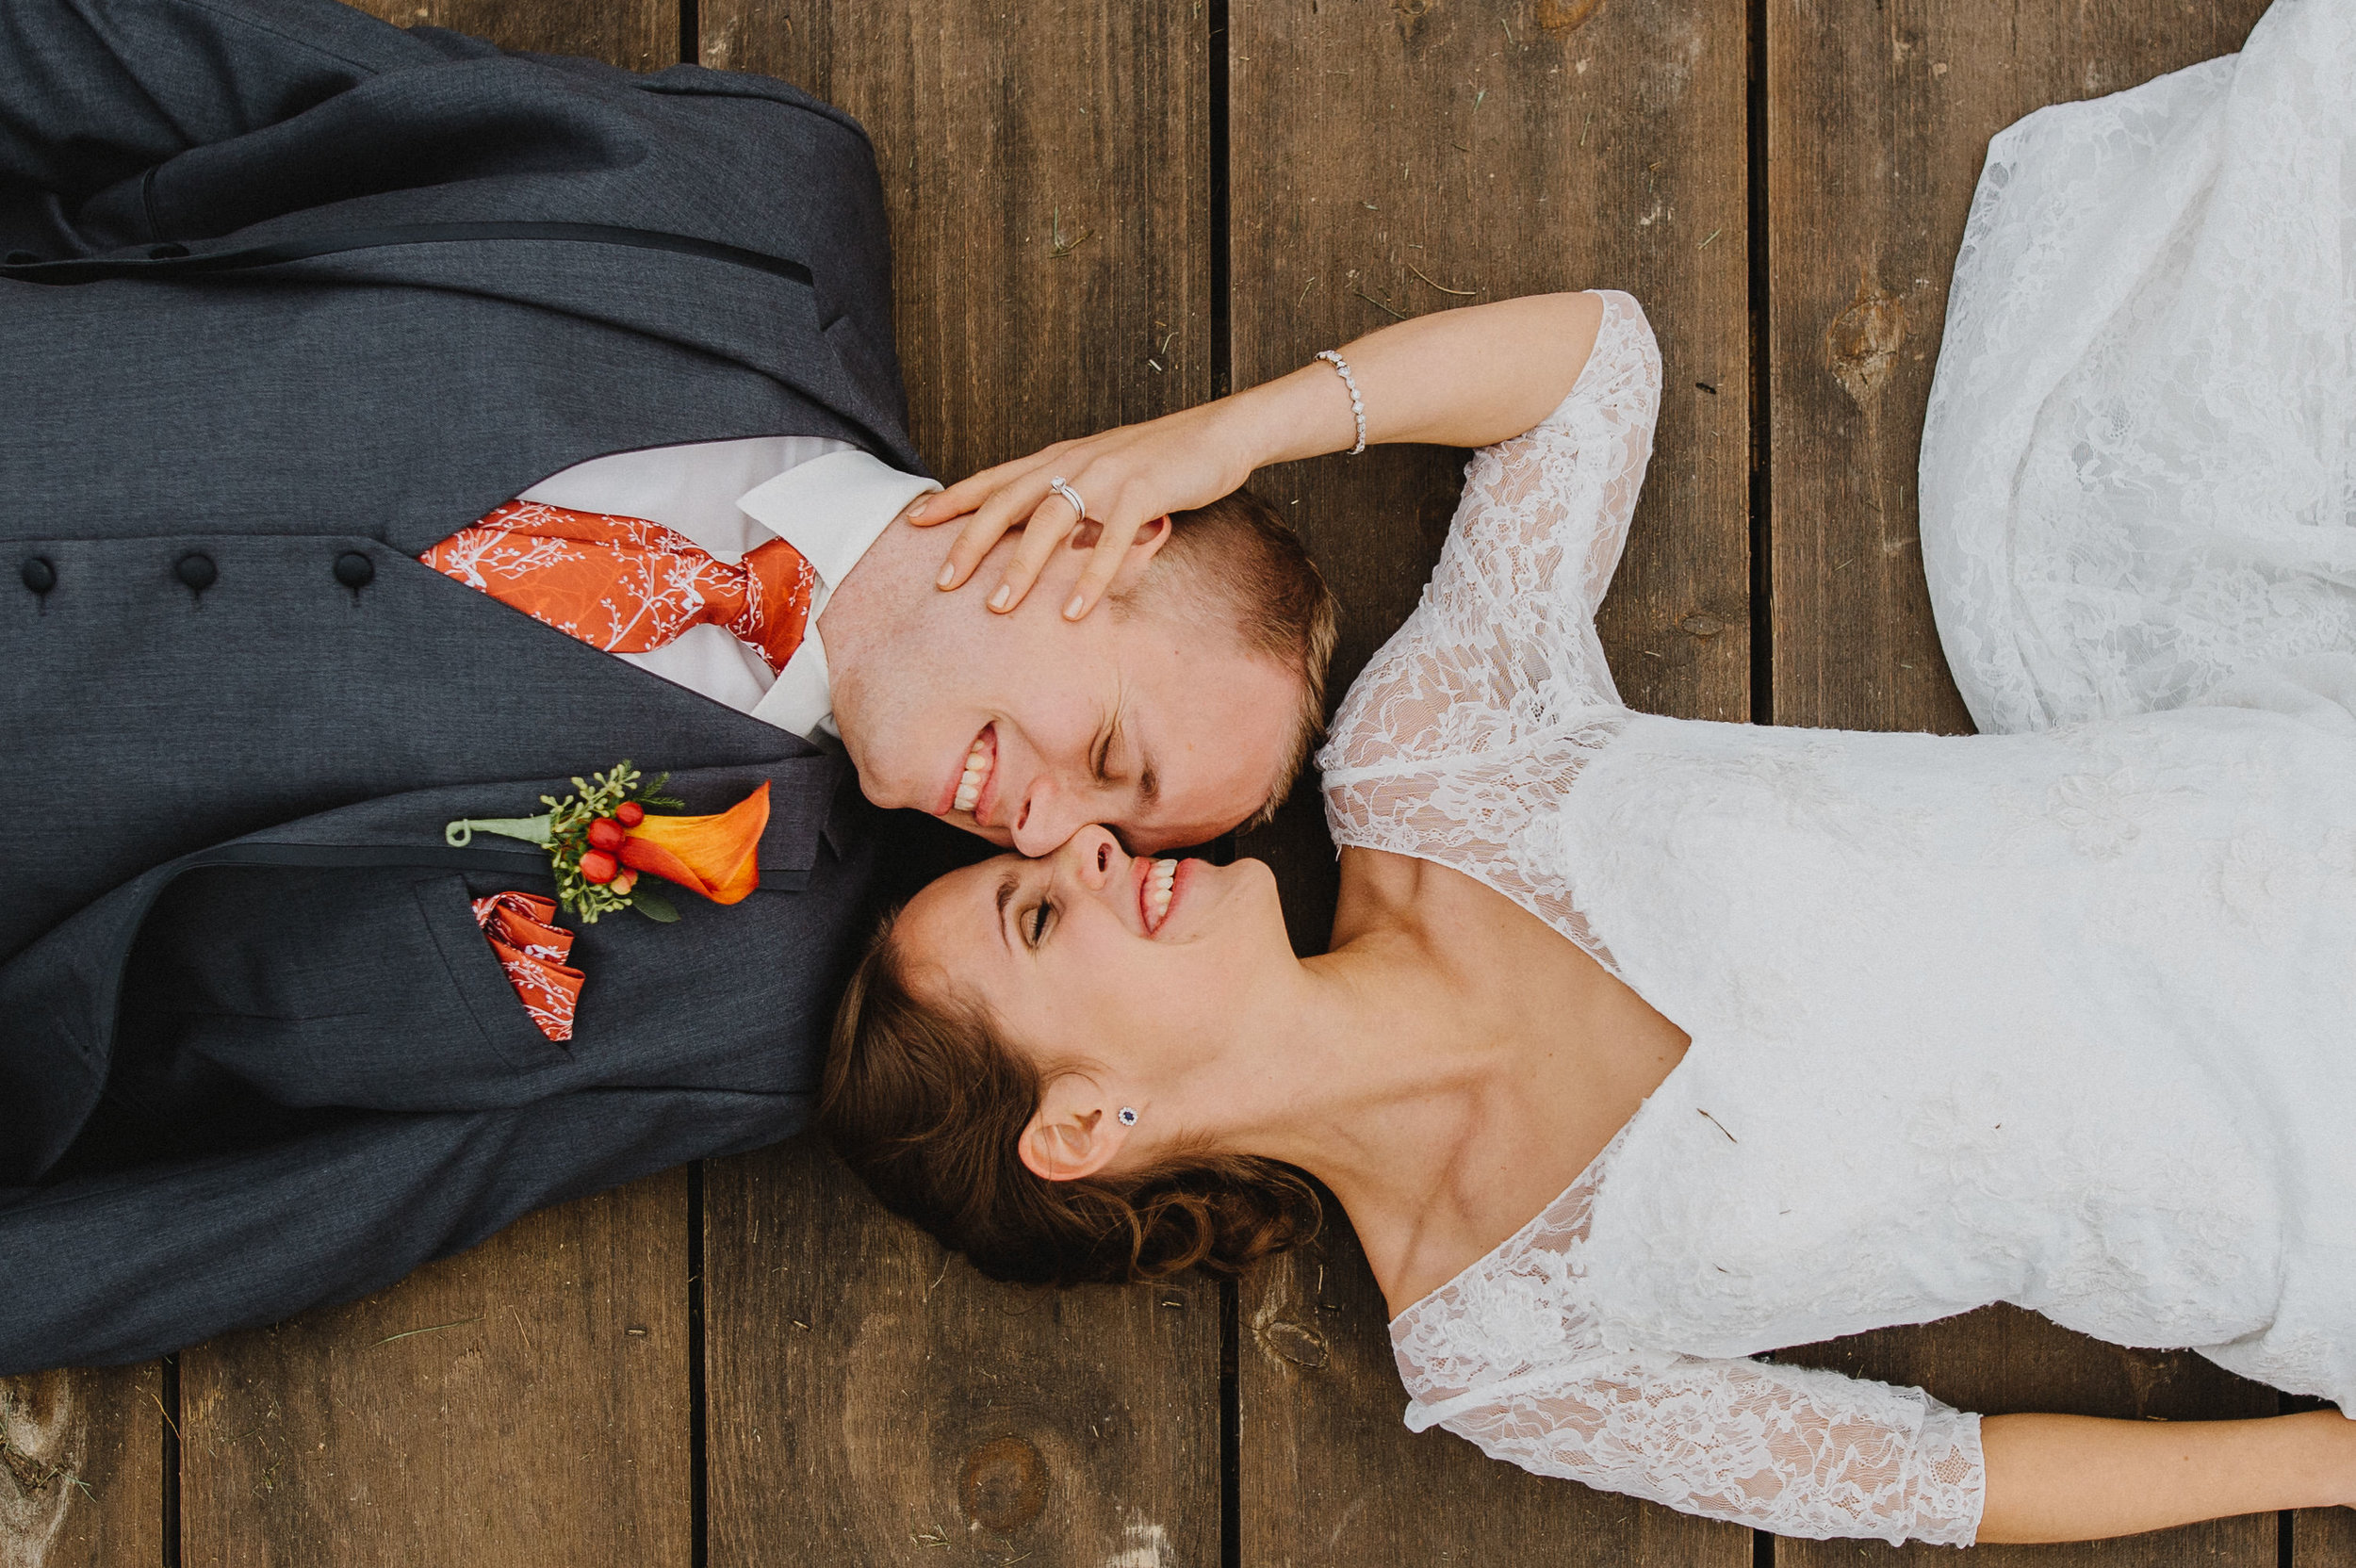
point(533, 952)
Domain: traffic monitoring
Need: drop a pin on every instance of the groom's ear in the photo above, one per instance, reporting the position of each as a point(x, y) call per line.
point(1144, 547)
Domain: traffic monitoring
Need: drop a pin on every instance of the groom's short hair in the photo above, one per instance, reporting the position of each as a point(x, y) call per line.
point(1234, 565)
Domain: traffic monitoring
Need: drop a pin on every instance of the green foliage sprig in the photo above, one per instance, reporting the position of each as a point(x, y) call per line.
point(568, 839)
point(564, 830)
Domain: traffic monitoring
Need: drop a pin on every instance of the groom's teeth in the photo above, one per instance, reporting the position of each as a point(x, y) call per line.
point(969, 781)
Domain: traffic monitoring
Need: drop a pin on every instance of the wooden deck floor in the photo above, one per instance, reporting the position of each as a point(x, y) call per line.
point(1103, 212)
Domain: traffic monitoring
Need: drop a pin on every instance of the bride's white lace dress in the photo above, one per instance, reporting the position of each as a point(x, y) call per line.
point(2065, 1018)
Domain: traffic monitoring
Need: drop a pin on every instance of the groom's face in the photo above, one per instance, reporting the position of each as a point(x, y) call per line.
point(1024, 728)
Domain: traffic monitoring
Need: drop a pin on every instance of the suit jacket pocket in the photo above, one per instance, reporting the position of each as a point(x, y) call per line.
point(370, 987)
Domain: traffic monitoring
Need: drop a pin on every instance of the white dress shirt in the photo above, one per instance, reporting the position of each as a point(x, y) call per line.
point(826, 497)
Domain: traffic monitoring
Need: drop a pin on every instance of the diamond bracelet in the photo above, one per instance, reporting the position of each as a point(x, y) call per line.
point(1357, 409)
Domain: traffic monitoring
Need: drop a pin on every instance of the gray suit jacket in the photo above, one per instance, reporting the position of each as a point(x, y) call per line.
point(289, 295)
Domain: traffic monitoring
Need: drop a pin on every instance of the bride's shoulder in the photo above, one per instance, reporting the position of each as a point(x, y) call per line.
point(1622, 373)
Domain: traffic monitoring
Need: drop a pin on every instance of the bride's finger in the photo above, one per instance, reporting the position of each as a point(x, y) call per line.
point(975, 488)
point(1050, 524)
point(1005, 508)
point(968, 492)
point(1104, 561)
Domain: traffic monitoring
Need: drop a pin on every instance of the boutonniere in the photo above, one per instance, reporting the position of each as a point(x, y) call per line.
point(603, 841)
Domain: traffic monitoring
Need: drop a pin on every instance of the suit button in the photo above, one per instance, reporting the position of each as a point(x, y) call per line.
point(354, 571)
point(196, 569)
point(166, 252)
point(40, 576)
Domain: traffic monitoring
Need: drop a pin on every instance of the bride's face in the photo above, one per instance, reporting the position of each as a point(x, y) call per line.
point(1092, 955)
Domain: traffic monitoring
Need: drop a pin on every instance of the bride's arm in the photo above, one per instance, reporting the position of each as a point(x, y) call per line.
point(2078, 1477)
point(1458, 378)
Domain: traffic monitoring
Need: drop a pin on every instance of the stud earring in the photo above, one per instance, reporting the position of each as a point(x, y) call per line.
point(1128, 1116)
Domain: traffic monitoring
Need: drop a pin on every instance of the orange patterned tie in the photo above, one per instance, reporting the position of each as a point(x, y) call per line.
point(626, 585)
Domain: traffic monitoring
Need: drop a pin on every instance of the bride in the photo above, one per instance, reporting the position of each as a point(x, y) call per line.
point(1647, 1045)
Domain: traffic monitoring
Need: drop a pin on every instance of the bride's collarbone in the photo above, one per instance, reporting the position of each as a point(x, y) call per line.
point(1474, 941)
point(1572, 1050)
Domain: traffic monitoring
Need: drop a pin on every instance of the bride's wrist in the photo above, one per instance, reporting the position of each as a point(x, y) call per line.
point(1246, 428)
point(1305, 414)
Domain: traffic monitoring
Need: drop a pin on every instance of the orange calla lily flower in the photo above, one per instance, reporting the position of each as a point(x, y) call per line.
point(718, 856)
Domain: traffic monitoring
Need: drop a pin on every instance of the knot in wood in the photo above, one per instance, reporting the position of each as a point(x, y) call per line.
point(1701, 623)
point(1003, 1485)
point(1297, 1343)
point(1566, 16)
point(40, 1432)
point(1409, 17)
point(1863, 340)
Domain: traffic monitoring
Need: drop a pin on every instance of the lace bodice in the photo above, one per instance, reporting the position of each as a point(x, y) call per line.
point(1460, 743)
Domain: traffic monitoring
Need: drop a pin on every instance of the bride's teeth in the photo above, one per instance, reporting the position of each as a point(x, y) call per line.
point(1158, 884)
point(969, 781)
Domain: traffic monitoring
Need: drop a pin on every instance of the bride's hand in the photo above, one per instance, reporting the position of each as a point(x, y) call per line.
point(1131, 479)
point(1458, 378)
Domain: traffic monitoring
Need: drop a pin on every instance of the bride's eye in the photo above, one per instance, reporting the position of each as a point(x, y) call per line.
point(1040, 913)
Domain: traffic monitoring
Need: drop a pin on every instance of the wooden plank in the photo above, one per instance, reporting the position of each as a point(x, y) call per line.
point(81, 1468)
point(1046, 170)
point(523, 1403)
point(544, 1416)
point(2323, 1538)
point(1878, 118)
point(1381, 155)
point(874, 1400)
point(642, 35)
point(1879, 113)
point(2004, 1359)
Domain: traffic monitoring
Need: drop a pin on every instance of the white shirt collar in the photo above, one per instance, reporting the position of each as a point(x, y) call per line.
point(830, 508)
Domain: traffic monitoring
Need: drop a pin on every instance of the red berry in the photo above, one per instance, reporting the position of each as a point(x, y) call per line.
point(607, 834)
point(597, 866)
point(629, 814)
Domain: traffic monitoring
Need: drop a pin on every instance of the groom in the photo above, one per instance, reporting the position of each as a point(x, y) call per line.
point(397, 430)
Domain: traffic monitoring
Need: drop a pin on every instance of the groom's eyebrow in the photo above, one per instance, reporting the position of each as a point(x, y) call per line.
point(1006, 896)
point(1148, 777)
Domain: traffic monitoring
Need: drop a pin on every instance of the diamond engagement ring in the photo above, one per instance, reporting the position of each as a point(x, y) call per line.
point(1079, 507)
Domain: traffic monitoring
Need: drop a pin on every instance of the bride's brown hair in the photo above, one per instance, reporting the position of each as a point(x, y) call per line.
point(927, 1103)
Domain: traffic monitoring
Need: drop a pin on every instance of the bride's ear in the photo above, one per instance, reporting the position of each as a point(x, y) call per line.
point(1071, 1135)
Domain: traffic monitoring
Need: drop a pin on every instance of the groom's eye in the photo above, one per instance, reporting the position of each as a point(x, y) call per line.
point(1035, 925)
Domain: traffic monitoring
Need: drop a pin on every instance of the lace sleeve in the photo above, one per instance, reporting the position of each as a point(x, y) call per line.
point(1485, 703)
point(1504, 634)
point(1511, 1356)
point(1789, 1449)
